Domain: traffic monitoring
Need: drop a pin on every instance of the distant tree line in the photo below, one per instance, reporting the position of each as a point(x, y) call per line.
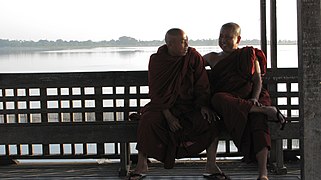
point(20, 45)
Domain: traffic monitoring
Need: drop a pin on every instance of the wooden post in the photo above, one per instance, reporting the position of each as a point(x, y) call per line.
point(309, 44)
point(273, 38)
point(263, 26)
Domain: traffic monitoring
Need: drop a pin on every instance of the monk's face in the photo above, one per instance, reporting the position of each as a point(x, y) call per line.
point(228, 40)
point(178, 45)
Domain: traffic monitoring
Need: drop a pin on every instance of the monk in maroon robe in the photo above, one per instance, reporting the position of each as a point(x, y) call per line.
point(238, 97)
point(178, 121)
point(231, 81)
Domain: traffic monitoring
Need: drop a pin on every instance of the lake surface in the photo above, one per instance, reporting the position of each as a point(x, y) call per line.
point(107, 59)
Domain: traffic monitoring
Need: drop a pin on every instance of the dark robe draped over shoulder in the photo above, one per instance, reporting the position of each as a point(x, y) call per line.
point(170, 77)
point(181, 85)
point(231, 85)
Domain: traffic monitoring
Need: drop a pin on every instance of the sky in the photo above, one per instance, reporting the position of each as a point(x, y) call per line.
point(99, 20)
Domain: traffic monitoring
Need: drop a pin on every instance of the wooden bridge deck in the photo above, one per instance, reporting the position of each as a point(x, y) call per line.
point(192, 170)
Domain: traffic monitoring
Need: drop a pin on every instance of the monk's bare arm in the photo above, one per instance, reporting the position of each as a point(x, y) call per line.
point(257, 82)
point(211, 59)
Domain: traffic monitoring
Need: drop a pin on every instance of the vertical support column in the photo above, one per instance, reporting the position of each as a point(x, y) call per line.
point(125, 146)
point(279, 167)
point(277, 157)
point(44, 117)
point(263, 26)
point(309, 44)
point(276, 153)
point(99, 116)
point(273, 38)
point(43, 101)
point(124, 159)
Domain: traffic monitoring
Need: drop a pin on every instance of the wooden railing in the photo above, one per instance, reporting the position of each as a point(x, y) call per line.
point(85, 115)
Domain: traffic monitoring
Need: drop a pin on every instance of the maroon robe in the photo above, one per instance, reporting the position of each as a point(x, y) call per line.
point(231, 84)
point(181, 85)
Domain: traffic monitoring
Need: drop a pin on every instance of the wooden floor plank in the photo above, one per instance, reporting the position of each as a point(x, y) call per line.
point(183, 170)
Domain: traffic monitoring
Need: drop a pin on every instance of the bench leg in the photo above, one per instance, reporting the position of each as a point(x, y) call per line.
point(4, 161)
point(276, 158)
point(124, 159)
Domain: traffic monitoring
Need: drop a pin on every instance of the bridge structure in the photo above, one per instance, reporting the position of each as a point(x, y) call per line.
point(85, 114)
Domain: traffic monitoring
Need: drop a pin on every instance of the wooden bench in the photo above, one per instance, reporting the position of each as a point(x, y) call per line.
point(72, 111)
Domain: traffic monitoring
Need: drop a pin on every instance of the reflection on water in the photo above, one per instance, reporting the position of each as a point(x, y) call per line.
point(107, 59)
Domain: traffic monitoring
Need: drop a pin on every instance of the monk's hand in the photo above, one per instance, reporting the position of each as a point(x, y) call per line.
point(255, 102)
point(207, 114)
point(173, 124)
point(172, 121)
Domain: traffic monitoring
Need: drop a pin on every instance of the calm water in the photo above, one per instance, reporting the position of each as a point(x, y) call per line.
point(107, 59)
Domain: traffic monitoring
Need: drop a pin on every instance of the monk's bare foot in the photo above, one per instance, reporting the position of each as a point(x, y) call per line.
point(214, 172)
point(263, 178)
point(212, 168)
point(141, 168)
point(273, 113)
point(138, 173)
point(136, 176)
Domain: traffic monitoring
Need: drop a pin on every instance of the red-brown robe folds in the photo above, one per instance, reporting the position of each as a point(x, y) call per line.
point(181, 85)
point(231, 84)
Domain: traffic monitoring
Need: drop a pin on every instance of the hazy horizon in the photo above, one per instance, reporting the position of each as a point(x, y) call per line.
point(144, 20)
point(126, 36)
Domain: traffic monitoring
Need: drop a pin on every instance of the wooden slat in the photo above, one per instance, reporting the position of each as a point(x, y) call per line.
point(192, 170)
point(51, 133)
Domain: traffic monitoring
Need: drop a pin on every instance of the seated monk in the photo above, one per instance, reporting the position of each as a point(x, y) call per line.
point(238, 97)
point(177, 122)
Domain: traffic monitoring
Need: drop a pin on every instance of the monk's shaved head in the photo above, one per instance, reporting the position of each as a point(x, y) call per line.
point(176, 42)
point(233, 26)
point(172, 33)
